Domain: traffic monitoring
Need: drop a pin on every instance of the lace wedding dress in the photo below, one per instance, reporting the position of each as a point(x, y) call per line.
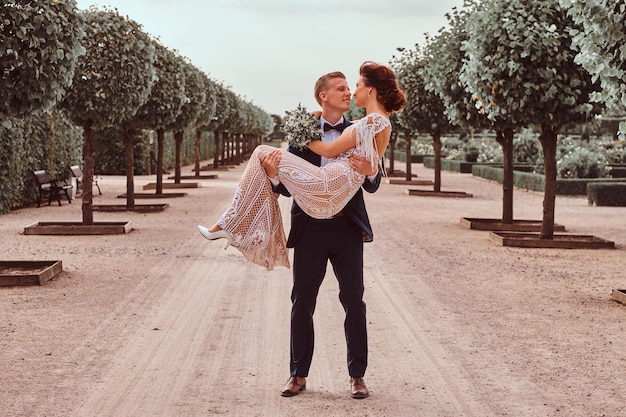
point(253, 219)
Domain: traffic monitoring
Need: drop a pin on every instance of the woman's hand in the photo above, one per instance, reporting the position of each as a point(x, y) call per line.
point(270, 163)
point(362, 165)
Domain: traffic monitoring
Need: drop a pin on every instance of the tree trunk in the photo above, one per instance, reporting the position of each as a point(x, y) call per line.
point(224, 150)
point(437, 147)
point(407, 155)
point(197, 152)
point(238, 153)
point(216, 154)
point(392, 150)
point(548, 139)
point(505, 139)
point(160, 151)
point(178, 143)
point(129, 152)
point(89, 156)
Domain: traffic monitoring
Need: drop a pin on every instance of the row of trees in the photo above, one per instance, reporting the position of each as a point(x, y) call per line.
point(506, 65)
point(105, 71)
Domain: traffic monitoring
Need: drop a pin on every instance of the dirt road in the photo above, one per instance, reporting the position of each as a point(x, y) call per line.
point(160, 322)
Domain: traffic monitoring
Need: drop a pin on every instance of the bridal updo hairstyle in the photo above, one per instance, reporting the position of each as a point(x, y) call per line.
point(383, 79)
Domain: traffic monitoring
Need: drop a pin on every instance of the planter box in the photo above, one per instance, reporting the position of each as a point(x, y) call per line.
point(210, 168)
point(398, 173)
point(497, 225)
point(560, 241)
point(153, 195)
point(139, 208)
point(171, 185)
point(194, 177)
point(13, 273)
point(409, 182)
point(77, 228)
point(619, 296)
point(428, 193)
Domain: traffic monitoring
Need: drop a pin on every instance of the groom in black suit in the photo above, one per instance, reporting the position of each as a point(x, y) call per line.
point(338, 239)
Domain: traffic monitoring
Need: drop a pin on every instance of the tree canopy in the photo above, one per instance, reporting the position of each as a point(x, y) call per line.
point(40, 43)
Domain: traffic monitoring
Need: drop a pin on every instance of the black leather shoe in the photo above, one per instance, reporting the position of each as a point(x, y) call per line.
point(294, 385)
point(358, 389)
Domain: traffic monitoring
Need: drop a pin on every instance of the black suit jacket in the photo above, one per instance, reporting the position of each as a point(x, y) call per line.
point(355, 209)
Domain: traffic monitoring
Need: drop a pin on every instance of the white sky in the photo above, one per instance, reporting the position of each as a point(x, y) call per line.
point(271, 51)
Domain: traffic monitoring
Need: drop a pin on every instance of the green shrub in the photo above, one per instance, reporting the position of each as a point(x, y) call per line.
point(582, 163)
point(526, 147)
point(41, 141)
point(613, 194)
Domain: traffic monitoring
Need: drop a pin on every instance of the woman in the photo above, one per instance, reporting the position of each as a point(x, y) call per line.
point(253, 222)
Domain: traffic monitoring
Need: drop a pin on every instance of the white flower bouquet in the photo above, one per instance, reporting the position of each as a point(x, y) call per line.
point(301, 127)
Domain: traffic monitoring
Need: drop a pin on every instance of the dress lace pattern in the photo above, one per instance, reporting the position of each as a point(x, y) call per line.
point(253, 219)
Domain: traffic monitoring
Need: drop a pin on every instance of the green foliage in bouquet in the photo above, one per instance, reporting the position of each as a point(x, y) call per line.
point(301, 127)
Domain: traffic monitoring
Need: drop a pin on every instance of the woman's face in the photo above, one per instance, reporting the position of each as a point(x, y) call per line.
point(360, 93)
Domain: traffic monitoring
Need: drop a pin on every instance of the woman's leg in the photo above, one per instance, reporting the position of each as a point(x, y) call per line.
point(253, 219)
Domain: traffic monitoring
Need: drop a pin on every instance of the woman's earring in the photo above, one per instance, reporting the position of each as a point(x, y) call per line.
point(369, 92)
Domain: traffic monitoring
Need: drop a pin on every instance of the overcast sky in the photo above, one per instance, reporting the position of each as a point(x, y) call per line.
point(271, 51)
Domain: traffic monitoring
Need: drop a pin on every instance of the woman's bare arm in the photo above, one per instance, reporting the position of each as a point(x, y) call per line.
point(344, 142)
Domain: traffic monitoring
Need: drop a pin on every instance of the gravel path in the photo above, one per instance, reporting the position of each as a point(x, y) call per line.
point(160, 322)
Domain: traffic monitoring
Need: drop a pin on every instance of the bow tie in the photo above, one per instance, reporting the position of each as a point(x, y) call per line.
point(338, 127)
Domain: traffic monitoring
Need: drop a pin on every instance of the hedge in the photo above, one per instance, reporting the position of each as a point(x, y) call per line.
point(51, 142)
point(535, 182)
point(41, 141)
point(607, 194)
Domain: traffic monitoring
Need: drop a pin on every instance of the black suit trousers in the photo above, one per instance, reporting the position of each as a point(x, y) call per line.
point(339, 241)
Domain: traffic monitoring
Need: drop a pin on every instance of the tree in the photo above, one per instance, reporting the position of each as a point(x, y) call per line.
point(219, 122)
point(195, 97)
point(424, 110)
point(40, 43)
point(205, 116)
point(446, 59)
point(522, 71)
point(110, 82)
point(600, 42)
point(164, 102)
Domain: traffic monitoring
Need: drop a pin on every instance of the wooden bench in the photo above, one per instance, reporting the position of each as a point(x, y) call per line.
point(78, 174)
point(54, 188)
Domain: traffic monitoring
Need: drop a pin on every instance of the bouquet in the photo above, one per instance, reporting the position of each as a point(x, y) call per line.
point(301, 127)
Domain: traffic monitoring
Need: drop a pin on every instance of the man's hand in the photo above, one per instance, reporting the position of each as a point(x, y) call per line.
point(270, 163)
point(362, 166)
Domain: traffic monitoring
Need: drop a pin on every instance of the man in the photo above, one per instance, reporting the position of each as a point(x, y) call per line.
point(315, 242)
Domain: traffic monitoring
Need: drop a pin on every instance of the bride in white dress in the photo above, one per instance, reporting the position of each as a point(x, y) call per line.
point(253, 223)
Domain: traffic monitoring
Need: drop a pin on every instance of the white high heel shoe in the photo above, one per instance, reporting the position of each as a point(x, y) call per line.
point(220, 234)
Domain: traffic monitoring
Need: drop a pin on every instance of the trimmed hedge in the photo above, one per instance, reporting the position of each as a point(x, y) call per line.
point(41, 141)
point(401, 156)
point(110, 151)
point(52, 142)
point(535, 182)
point(607, 194)
point(451, 165)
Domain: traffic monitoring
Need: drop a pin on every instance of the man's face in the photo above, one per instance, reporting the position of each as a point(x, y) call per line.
point(337, 96)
